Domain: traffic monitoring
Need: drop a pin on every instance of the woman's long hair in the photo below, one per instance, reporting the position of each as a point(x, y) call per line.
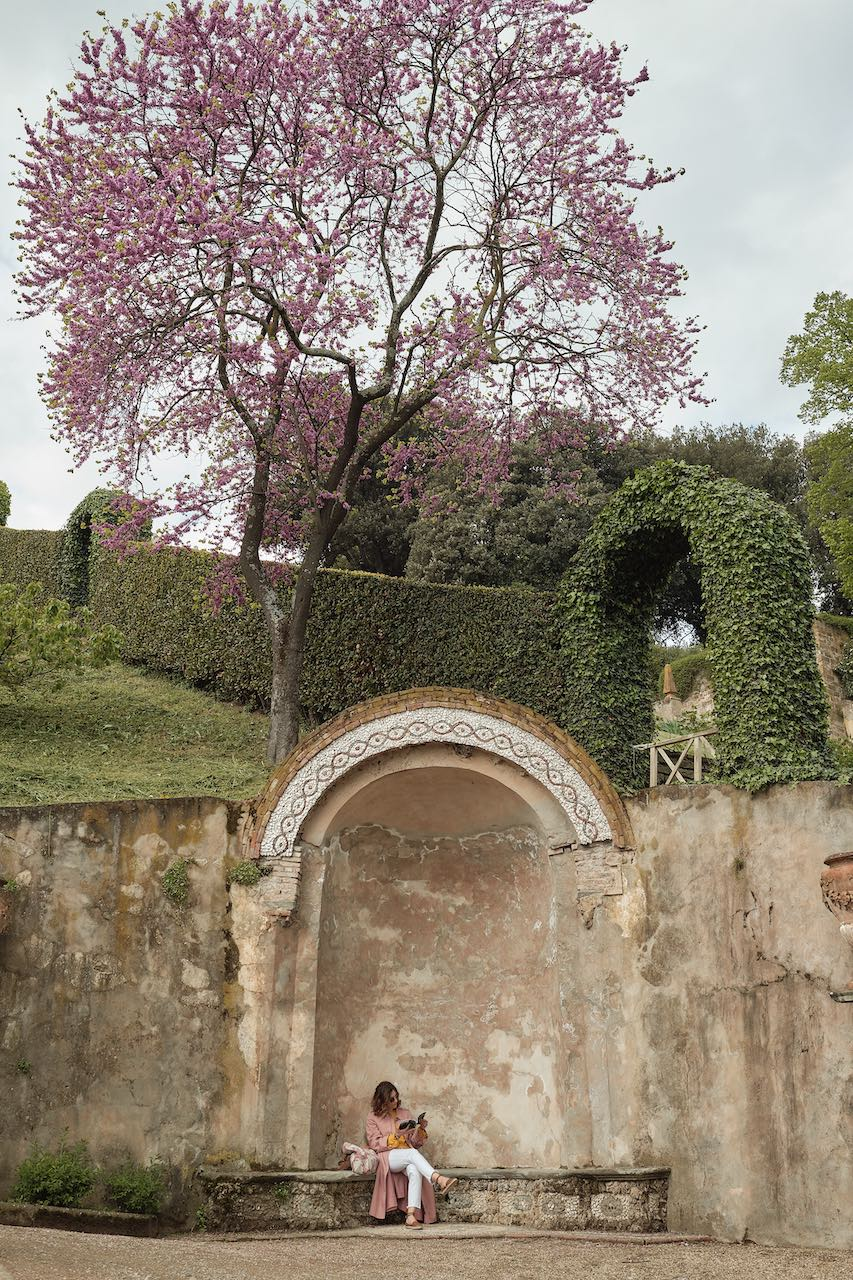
point(382, 1097)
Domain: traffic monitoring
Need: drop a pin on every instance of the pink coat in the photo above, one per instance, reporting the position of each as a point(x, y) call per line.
point(391, 1190)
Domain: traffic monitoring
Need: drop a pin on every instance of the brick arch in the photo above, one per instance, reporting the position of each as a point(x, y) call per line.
point(430, 716)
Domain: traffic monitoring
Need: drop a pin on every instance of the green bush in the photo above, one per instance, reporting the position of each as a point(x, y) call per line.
point(367, 634)
point(39, 635)
point(755, 571)
point(31, 555)
point(5, 503)
point(135, 1188)
point(60, 1178)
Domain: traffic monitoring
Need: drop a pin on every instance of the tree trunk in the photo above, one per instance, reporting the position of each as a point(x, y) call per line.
point(288, 650)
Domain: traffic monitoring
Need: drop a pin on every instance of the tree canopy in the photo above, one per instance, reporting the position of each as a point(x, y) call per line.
point(821, 357)
point(547, 505)
point(275, 235)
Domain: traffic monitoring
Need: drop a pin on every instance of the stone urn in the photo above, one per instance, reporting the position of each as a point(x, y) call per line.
point(837, 886)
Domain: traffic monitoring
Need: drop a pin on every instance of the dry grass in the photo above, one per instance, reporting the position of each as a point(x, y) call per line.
point(119, 734)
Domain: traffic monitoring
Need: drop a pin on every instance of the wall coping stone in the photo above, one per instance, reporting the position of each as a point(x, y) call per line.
point(265, 1176)
point(108, 1222)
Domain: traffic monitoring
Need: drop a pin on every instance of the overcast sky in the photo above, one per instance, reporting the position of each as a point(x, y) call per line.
point(753, 97)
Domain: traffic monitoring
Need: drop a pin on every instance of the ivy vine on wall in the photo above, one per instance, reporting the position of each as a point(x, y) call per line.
point(770, 703)
point(100, 507)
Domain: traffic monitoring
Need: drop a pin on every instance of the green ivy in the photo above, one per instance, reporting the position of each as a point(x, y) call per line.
point(770, 703)
point(5, 503)
point(688, 668)
point(246, 873)
point(97, 507)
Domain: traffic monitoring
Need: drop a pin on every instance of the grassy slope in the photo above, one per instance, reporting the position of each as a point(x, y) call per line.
point(119, 734)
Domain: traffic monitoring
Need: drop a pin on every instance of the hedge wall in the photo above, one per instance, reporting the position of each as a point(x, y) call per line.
point(770, 703)
point(31, 555)
point(367, 634)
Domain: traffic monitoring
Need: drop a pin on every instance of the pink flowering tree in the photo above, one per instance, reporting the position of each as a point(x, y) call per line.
point(280, 238)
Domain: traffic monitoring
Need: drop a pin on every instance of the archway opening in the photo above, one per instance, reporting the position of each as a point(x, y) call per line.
point(436, 959)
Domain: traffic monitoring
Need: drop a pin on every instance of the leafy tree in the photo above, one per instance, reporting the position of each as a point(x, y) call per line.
point(821, 357)
point(5, 503)
point(40, 635)
point(830, 496)
point(277, 235)
point(531, 536)
point(525, 538)
point(375, 535)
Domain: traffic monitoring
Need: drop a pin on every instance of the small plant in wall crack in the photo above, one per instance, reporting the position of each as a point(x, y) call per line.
point(24, 1067)
point(246, 873)
point(176, 882)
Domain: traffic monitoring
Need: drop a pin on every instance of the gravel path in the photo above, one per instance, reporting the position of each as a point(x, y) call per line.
point(31, 1253)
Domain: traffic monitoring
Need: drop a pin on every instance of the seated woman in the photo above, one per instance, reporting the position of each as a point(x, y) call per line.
point(404, 1178)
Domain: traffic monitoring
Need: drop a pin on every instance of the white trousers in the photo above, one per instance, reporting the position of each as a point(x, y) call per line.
point(416, 1167)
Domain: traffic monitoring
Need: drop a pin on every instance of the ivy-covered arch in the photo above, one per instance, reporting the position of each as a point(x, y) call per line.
point(770, 702)
point(99, 507)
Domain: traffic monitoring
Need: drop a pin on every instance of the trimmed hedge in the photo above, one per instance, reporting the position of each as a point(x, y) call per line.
point(367, 634)
point(687, 669)
point(771, 707)
point(31, 555)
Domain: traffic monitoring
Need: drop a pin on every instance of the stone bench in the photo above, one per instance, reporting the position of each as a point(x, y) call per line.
point(554, 1199)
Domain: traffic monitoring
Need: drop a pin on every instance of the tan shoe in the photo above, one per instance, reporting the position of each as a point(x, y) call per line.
point(442, 1185)
point(412, 1223)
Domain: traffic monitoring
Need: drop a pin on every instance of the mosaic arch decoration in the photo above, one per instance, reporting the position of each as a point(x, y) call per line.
point(479, 727)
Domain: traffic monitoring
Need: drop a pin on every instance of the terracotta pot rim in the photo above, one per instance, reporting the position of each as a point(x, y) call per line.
point(837, 857)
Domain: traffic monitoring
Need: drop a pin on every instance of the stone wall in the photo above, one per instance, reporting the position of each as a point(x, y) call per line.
point(677, 1015)
point(111, 999)
point(710, 1006)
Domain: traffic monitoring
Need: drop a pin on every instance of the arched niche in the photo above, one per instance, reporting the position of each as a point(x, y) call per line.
point(409, 844)
point(572, 798)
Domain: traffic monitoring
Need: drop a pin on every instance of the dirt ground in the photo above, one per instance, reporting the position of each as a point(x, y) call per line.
point(28, 1253)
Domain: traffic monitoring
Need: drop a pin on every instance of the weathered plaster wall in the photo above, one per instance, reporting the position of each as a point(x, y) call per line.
point(678, 1013)
point(711, 1040)
point(437, 971)
point(111, 994)
point(831, 643)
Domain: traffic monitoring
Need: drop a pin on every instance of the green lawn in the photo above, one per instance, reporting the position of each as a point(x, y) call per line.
point(120, 734)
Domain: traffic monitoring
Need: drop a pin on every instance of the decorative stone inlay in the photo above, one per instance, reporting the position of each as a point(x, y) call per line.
point(551, 1199)
point(474, 729)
